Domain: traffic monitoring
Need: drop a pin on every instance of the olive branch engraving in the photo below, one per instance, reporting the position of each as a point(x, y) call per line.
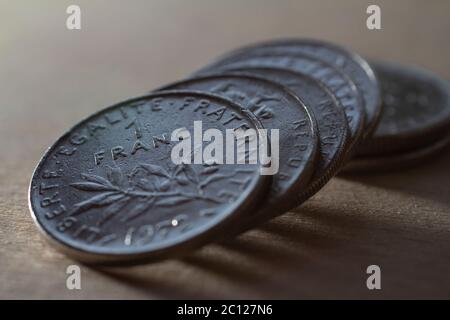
point(146, 186)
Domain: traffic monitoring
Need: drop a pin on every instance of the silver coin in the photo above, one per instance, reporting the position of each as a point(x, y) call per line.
point(108, 191)
point(416, 110)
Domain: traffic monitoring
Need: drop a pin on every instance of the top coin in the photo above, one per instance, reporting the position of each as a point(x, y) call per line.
point(278, 109)
point(416, 110)
point(349, 62)
point(109, 190)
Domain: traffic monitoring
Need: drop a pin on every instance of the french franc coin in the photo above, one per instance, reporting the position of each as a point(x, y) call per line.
point(397, 161)
point(277, 108)
point(346, 61)
point(416, 110)
point(336, 81)
point(330, 116)
point(108, 190)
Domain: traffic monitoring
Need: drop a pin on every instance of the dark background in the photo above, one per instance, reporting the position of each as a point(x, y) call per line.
point(51, 77)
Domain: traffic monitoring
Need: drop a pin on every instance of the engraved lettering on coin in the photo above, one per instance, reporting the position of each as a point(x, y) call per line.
point(108, 191)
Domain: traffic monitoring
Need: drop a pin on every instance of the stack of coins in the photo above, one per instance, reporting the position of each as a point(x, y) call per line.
point(110, 191)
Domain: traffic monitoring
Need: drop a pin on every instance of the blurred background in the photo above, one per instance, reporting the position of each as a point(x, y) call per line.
point(50, 77)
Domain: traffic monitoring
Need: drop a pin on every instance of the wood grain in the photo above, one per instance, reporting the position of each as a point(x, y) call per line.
point(51, 77)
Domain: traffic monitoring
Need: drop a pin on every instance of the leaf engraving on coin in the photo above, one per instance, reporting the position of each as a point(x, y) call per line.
point(155, 187)
point(108, 190)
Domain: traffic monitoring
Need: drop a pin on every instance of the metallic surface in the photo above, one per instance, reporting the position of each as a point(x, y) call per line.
point(416, 110)
point(108, 191)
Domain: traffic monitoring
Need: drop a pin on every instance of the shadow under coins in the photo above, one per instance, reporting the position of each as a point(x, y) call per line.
point(429, 179)
point(288, 258)
point(274, 261)
point(149, 285)
point(320, 251)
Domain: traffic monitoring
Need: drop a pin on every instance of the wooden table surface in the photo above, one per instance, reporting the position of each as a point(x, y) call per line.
point(51, 77)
